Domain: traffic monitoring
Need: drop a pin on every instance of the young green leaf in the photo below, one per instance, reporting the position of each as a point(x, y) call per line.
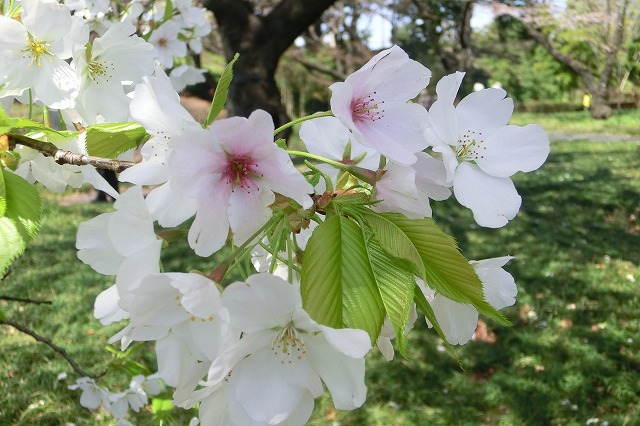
point(446, 270)
point(338, 286)
point(108, 140)
point(396, 283)
point(3, 195)
point(21, 218)
point(222, 89)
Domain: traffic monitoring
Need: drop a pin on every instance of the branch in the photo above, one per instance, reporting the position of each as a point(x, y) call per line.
point(53, 346)
point(26, 300)
point(61, 156)
point(312, 66)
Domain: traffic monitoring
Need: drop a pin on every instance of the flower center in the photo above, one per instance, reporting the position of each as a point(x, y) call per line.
point(470, 146)
point(98, 69)
point(37, 49)
point(366, 109)
point(288, 344)
point(162, 42)
point(240, 171)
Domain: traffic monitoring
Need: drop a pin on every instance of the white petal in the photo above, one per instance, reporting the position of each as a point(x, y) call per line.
point(398, 192)
point(351, 342)
point(95, 248)
point(512, 149)
point(263, 302)
point(484, 111)
point(174, 359)
point(458, 321)
point(500, 289)
point(343, 375)
point(249, 210)
point(210, 228)
point(95, 179)
point(493, 201)
point(200, 296)
point(170, 207)
point(442, 116)
point(106, 308)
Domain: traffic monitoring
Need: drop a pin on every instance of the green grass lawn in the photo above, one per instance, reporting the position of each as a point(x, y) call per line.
point(573, 353)
point(624, 122)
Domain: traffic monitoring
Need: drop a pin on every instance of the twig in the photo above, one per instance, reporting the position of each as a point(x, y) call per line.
point(26, 300)
point(52, 345)
point(61, 156)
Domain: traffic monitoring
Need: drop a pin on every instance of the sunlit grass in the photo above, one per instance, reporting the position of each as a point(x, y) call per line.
point(625, 122)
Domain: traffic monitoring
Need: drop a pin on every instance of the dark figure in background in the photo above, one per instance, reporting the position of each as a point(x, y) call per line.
point(112, 179)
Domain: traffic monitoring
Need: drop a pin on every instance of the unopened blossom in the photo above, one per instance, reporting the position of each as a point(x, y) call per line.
point(167, 44)
point(156, 106)
point(373, 104)
point(481, 152)
point(33, 52)
point(457, 320)
point(118, 56)
point(233, 169)
point(122, 243)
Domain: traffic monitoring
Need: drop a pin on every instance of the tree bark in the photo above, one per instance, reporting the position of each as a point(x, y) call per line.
point(260, 40)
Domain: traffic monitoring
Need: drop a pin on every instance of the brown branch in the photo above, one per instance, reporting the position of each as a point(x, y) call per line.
point(61, 156)
point(26, 300)
point(52, 345)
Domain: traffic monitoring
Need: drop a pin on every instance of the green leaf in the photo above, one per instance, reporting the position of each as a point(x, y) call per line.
point(396, 283)
point(222, 89)
point(3, 195)
point(159, 405)
point(446, 270)
point(21, 218)
point(337, 284)
point(6, 122)
point(108, 140)
point(394, 241)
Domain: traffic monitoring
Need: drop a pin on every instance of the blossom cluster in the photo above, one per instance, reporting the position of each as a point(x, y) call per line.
point(81, 59)
point(336, 254)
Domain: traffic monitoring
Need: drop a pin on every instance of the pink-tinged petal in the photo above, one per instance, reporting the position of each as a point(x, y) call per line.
point(170, 207)
point(386, 145)
point(402, 79)
point(175, 360)
point(106, 308)
point(210, 228)
point(249, 210)
point(458, 321)
point(514, 149)
point(263, 302)
point(280, 175)
point(404, 122)
point(484, 112)
point(500, 288)
point(341, 98)
point(442, 115)
point(343, 375)
point(242, 136)
point(351, 342)
point(95, 248)
point(268, 388)
point(493, 201)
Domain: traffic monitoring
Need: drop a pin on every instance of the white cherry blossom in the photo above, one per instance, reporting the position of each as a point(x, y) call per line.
point(481, 152)
point(167, 44)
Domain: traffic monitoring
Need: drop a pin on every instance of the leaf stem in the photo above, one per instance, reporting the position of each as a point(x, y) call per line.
point(300, 120)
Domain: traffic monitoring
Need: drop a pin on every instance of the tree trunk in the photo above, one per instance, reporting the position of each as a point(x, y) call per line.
point(260, 40)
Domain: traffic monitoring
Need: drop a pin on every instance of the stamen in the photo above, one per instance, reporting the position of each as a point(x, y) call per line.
point(470, 146)
point(288, 345)
point(366, 109)
point(36, 49)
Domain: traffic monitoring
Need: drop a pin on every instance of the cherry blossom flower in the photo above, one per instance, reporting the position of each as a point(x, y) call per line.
point(156, 106)
point(233, 169)
point(33, 52)
point(123, 244)
point(373, 103)
point(283, 354)
point(119, 55)
point(186, 75)
point(481, 151)
point(458, 320)
point(167, 44)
